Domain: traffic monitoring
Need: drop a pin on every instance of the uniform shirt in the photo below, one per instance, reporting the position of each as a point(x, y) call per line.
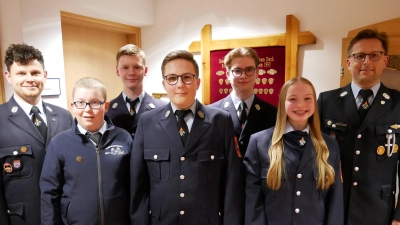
point(28, 107)
point(189, 118)
point(236, 102)
point(137, 107)
point(358, 98)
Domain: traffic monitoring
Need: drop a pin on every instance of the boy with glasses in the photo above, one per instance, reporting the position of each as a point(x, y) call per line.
point(249, 113)
point(85, 178)
point(184, 168)
point(364, 118)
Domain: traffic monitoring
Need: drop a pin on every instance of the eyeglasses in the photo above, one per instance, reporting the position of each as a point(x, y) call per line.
point(249, 71)
point(92, 105)
point(360, 57)
point(186, 78)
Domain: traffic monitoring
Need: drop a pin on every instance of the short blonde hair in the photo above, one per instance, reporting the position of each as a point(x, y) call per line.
point(90, 83)
point(241, 52)
point(131, 49)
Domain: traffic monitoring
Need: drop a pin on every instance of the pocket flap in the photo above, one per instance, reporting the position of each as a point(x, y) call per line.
point(205, 156)
point(159, 154)
point(15, 150)
point(384, 129)
point(387, 191)
point(335, 125)
point(155, 212)
point(16, 208)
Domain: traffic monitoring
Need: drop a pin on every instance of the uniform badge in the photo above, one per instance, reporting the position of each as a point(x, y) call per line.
point(132, 112)
point(17, 164)
point(167, 113)
point(7, 168)
point(152, 106)
point(329, 122)
point(14, 109)
point(380, 150)
point(53, 119)
point(382, 102)
point(79, 159)
point(114, 105)
point(332, 134)
point(395, 148)
point(395, 126)
point(37, 122)
point(386, 96)
point(237, 147)
point(48, 108)
point(201, 114)
point(257, 106)
point(343, 94)
point(181, 132)
point(114, 150)
point(23, 149)
point(302, 141)
point(365, 105)
point(226, 105)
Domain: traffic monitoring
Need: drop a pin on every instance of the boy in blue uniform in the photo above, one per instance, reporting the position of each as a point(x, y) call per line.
point(85, 178)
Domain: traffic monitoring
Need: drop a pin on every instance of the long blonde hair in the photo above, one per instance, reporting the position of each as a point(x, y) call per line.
point(276, 170)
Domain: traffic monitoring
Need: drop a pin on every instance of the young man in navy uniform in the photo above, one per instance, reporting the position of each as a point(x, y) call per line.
point(184, 165)
point(364, 118)
point(26, 126)
point(241, 69)
point(126, 109)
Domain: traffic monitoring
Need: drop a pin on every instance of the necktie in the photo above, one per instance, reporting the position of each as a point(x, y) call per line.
point(38, 121)
point(95, 137)
point(182, 127)
point(296, 141)
point(133, 103)
point(364, 107)
point(242, 113)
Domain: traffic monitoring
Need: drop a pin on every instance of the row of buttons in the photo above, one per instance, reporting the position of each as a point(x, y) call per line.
point(298, 193)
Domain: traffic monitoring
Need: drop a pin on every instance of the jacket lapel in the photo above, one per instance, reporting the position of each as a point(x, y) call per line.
point(199, 127)
point(308, 153)
point(347, 104)
point(169, 123)
point(252, 118)
point(291, 156)
point(228, 106)
point(52, 121)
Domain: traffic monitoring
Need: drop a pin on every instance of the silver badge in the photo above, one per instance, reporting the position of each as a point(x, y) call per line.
point(226, 105)
point(53, 119)
point(382, 102)
point(386, 96)
point(201, 114)
point(114, 105)
point(14, 109)
point(343, 94)
point(167, 113)
point(152, 106)
point(48, 108)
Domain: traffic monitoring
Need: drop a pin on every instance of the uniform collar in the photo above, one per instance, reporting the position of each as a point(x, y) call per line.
point(289, 128)
point(27, 107)
point(356, 89)
point(236, 101)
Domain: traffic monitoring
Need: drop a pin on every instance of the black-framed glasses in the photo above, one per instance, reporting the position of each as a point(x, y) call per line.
point(93, 105)
point(249, 71)
point(186, 78)
point(373, 56)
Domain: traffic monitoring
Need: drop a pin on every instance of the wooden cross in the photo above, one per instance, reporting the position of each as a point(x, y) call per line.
point(291, 40)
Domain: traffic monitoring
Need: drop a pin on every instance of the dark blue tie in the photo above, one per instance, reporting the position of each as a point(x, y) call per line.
point(38, 122)
point(182, 126)
point(364, 107)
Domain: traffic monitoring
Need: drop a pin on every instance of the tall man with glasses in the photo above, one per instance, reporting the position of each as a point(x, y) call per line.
point(249, 113)
point(27, 124)
point(364, 117)
point(127, 107)
point(184, 166)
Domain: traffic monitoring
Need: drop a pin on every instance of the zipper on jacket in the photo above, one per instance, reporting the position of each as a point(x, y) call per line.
point(100, 183)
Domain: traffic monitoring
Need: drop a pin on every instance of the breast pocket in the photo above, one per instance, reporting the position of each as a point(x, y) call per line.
point(278, 195)
point(387, 134)
point(336, 129)
point(17, 161)
point(210, 164)
point(158, 162)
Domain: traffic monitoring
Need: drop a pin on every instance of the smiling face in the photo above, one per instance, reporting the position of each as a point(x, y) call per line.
point(244, 84)
point(299, 104)
point(368, 73)
point(90, 119)
point(27, 80)
point(131, 70)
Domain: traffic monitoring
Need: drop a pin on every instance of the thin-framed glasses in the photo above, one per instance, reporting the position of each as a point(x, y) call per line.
point(93, 105)
point(373, 56)
point(186, 78)
point(249, 71)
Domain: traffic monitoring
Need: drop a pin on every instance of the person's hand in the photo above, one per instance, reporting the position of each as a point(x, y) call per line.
point(396, 222)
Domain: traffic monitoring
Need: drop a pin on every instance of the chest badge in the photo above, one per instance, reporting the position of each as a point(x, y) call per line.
point(380, 150)
point(7, 168)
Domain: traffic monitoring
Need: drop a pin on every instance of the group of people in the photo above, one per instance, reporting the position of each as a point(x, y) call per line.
point(139, 160)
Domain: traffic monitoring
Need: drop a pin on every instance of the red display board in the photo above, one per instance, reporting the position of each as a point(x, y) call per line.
point(271, 74)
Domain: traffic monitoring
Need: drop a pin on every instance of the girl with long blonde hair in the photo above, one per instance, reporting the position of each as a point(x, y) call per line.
point(293, 169)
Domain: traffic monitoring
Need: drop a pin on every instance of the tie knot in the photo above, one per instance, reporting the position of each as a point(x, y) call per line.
point(132, 102)
point(181, 113)
point(243, 105)
point(35, 109)
point(94, 136)
point(365, 93)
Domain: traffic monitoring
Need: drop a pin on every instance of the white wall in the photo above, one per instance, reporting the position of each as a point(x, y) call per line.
point(179, 22)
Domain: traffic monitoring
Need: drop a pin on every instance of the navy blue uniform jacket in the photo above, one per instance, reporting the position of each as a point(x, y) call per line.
point(369, 178)
point(120, 116)
point(262, 115)
point(297, 202)
point(201, 183)
point(20, 141)
point(82, 184)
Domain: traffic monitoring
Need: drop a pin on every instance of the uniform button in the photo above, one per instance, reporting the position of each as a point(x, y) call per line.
point(212, 157)
point(149, 211)
point(297, 210)
point(8, 211)
point(298, 193)
point(390, 131)
point(133, 134)
point(299, 175)
point(182, 195)
point(219, 213)
point(182, 158)
point(333, 125)
point(15, 153)
point(355, 184)
point(241, 142)
point(182, 212)
point(155, 157)
point(357, 152)
point(182, 177)
point(356, 168)
point(359, 136)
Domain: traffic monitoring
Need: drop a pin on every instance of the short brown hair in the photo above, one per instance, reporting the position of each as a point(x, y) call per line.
point(369, 34)
point(241, 52)
point(179, 54)
point(90, 83)
point(22, 54)
point(131, 49)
